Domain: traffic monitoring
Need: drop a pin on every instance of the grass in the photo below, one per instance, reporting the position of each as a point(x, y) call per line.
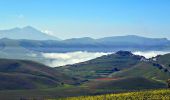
point(162, 94)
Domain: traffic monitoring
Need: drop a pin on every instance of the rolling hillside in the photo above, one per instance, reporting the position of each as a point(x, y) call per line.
point(114, 73)
point(21, 74)
point(103, 66)
point(121, 71)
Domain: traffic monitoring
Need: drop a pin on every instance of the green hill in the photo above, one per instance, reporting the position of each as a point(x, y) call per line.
point(122, 70)
point(102, 66)
point(21, 74)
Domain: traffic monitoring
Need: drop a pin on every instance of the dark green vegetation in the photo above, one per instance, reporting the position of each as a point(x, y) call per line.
point(112, 73)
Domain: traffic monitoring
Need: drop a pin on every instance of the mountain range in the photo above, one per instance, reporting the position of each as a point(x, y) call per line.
point(35, 40)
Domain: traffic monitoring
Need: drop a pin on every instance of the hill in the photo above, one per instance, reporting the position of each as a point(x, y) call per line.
point(114, 73)
point(121, 71)
point(22, 74)
point(103, 66)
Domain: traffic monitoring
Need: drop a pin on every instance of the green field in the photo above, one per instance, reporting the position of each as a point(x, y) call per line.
point(163, 94)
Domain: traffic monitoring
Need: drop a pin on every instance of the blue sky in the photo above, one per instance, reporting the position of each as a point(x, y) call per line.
point(89, 18)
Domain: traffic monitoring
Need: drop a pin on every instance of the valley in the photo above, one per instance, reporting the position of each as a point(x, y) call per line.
point(113, 73)
point(84, 50)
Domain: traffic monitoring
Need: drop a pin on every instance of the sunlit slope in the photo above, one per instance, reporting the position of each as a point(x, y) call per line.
point(142, 95)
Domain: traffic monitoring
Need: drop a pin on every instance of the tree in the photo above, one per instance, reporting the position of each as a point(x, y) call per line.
point(165, 70)
point(168, 83)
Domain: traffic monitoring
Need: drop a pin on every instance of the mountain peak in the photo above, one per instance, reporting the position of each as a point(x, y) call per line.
point(124, 53)
point(28, 28)
point(27, 32)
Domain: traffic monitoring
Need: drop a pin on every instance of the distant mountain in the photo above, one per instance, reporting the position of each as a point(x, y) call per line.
point(22, 74)
point(84, 40)
point(27, 32)
point(32, 49)
point(131, 40)
point(108, 44)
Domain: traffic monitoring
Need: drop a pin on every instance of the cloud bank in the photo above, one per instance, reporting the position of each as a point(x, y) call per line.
point(150, 54)
point(60, 59)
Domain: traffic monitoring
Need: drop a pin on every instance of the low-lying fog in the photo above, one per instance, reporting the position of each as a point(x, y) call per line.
point(150, 54)
point(60, 59)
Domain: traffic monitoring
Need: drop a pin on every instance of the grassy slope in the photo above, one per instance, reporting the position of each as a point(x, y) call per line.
point(133, 75)
point(164, 60)
point(21, 74)
point(102, 66)
point(135, 83)
point(144, 69)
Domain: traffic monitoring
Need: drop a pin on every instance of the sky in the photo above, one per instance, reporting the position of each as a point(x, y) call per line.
point(89, 18)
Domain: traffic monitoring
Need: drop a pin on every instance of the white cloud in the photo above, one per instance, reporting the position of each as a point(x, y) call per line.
point(150, 54)
point(59, 59)
point(48, 32)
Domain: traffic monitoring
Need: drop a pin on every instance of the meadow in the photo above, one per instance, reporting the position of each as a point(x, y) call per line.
point(162, 94)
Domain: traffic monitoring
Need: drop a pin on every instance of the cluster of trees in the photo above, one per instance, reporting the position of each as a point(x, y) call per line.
point(168, 83)
point(160, 67)
point(115, 69)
